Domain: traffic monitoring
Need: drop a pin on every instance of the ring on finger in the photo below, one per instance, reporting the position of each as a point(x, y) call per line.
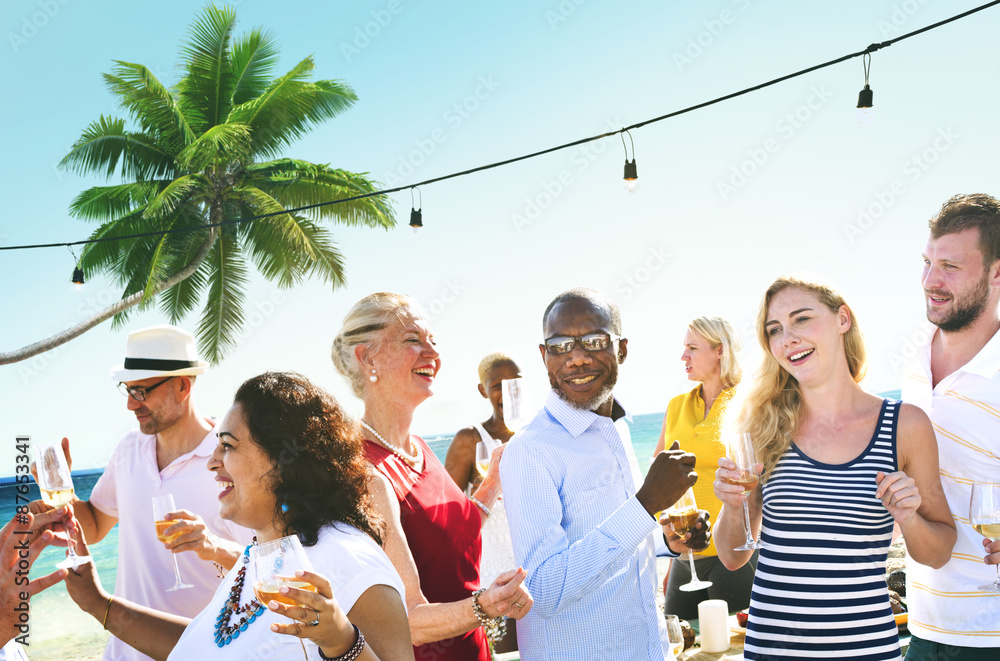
point(315, 623)
point(518, 605)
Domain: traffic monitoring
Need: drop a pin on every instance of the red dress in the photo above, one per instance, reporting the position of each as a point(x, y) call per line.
point(442, 529)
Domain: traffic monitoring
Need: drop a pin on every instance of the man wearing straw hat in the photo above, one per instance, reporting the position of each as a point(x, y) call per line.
point(166, 455)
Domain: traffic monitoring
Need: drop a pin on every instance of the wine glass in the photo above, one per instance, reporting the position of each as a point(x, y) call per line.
point(515, 408)
point(675, 635)
point(743, 455)
point(163, 505)
point(683, 515)
point(273, 565)
point(56, 485)
point(482, 458)
point(984, 515)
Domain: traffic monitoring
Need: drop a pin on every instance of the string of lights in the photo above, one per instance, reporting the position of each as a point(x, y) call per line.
point(864, 108)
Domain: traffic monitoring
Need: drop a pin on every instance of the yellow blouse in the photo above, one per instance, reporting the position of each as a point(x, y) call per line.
point(686, 422)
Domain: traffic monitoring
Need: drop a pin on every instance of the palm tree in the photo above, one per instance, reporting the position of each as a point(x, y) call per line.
point(206, 152)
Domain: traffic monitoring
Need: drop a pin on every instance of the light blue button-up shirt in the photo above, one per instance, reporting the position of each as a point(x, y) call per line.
point(569, 481)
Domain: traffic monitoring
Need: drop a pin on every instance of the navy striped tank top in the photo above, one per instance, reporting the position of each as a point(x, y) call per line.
point(820, 590)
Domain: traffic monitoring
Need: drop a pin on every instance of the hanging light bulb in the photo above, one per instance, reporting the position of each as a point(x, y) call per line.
point(416, 215)
point(631, 175)
point(865, 112)
point(77, 277)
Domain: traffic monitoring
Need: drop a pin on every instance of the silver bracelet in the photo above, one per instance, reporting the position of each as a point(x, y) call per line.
point(495, 627)
point(486, 510)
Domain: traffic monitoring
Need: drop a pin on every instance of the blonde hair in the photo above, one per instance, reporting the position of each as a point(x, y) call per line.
point(719, 332)
point(365, 324)
point(771, 409)
point(490, 361)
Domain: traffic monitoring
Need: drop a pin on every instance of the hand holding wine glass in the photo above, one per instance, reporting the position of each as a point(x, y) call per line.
point(162, 507)
point(683, 517)
point(984, 515)
point(746, 475)
point(56, 486)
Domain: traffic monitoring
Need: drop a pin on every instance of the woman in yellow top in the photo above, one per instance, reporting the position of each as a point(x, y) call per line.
point(710, 357)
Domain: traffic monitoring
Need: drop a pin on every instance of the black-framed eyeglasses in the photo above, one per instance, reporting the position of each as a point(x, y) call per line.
point(561, 344)
point(139, 394)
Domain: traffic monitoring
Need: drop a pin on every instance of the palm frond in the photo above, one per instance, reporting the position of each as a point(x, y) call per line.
point(151, 104)
point(290, 106)
point(298, 184)
point(206, 90)
point(180, 299)
point(179, 190)
point(111, 202)
point(222, 316)
point(105, 143)
point(253, 58)
point(218, 146)
point(103, 256)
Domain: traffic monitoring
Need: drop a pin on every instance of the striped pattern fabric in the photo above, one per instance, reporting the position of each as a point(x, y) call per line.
point(945, 604)
point(820, 590)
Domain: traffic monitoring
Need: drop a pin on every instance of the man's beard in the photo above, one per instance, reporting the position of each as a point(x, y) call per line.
point(594, 402)
point(967, 311)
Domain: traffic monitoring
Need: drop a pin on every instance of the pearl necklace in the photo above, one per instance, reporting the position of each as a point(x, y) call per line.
point(412, 460)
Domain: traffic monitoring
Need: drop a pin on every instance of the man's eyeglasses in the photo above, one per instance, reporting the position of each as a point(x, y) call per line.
point(139, 394)
point(561, 344)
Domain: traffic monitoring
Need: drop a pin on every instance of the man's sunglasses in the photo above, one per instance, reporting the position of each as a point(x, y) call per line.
point(561, 344)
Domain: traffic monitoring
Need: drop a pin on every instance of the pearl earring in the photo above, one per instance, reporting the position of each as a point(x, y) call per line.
point(374, 377)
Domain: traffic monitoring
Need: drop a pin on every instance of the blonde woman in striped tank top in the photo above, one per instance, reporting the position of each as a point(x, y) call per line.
point(840, 467)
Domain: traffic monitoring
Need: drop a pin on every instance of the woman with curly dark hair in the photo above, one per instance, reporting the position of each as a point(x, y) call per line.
point(289, 462)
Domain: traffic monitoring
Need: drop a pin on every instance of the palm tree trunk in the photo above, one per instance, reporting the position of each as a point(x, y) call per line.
point(124, 304)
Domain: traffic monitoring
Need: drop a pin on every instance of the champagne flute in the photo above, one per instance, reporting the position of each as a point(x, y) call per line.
point(683, 515)
point(984, 515)
point(163, 505)
point(675, 635)
point(515, 413)
point(482, 458)
point(56, 485)
point(743, 455)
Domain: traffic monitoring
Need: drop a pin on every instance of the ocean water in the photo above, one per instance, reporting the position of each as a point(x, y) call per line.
point(60, 630)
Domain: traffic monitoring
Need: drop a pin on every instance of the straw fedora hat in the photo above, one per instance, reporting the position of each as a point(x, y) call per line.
point(159, 351)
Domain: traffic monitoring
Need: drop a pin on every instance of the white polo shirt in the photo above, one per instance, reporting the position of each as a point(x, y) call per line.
point(145, 569)
point(944, 604)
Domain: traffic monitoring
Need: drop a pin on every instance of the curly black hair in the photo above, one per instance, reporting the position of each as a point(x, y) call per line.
point(320, 474)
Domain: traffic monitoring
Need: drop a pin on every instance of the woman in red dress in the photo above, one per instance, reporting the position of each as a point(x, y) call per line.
point(386, 351)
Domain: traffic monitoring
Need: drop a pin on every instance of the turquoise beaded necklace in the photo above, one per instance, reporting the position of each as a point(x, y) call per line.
point(225, 632)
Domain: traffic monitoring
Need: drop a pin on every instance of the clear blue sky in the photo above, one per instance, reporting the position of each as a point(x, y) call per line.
point(730, 196)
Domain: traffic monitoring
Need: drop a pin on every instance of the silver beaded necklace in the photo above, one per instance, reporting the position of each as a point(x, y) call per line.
point(412, 460)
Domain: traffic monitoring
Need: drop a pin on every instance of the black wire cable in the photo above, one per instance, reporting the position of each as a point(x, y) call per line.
point(871, 49)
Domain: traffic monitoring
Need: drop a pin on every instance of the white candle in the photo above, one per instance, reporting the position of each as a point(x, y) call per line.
point(713, 625)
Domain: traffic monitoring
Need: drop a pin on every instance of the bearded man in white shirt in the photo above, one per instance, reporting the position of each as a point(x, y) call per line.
point(955, 379)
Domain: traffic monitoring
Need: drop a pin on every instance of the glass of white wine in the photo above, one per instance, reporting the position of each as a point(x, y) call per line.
point(675, 635)
point(482, 458)
point(56, 486)
point(515, 404)
point(984, 515)
point(683, 516)
point(163, 505)
point(273, 565)
point(742, 453)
